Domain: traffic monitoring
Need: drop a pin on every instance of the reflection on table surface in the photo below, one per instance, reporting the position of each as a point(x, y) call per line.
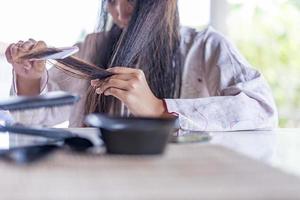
point(277, 148)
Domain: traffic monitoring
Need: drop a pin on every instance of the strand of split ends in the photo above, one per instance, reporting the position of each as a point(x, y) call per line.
point(81, 69)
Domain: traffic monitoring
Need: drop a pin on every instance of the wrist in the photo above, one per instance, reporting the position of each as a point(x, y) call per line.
point(26, 79)
point(160, 108)
point(28, 87)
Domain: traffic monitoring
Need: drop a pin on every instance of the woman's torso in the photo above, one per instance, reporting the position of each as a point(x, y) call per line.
point(193, 85)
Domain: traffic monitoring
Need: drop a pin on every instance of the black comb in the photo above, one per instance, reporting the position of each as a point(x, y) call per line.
point(50, 99)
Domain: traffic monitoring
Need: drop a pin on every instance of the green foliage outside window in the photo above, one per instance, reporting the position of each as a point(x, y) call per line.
point(268, 34)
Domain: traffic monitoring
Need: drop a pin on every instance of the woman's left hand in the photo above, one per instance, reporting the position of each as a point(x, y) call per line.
point(130, 86)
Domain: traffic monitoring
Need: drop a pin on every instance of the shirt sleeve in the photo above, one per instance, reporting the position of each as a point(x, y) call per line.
point(238, 96)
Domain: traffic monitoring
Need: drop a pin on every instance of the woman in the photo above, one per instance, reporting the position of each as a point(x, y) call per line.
point(159, 69)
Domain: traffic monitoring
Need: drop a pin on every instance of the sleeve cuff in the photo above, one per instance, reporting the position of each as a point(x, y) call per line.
point(168, 110)
point(186, 123)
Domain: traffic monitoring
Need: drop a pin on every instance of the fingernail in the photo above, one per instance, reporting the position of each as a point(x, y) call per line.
point(98, 91)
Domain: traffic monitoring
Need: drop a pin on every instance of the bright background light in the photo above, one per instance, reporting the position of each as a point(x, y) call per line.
point(65, 22)
point(194, 13)
point(58, 22)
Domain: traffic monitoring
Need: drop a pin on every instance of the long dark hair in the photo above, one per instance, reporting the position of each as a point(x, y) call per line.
point(151, 42)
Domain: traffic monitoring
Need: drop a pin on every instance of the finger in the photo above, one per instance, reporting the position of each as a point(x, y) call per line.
point(40, 45)
point(16, 54)
point(32, 40)
point(14, 50)
point(123, 70)
point(20, 43)
point(27, 46)
point(124, 77)
point(8, 53)
point(94, 82)
point(97, 83)
point(119, 94)
point(114, 83)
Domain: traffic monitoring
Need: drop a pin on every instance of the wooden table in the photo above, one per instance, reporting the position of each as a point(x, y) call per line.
point(186, 171)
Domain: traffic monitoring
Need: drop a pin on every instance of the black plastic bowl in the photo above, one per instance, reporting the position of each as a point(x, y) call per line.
point(133, 136)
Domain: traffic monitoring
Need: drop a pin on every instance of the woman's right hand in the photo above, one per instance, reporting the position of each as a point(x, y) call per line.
point(26, 69)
